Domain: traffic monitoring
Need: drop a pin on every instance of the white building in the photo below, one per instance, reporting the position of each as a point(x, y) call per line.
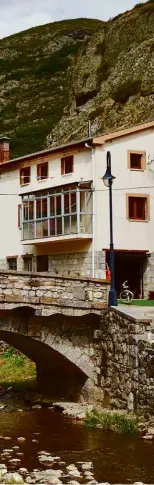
point(54, 209)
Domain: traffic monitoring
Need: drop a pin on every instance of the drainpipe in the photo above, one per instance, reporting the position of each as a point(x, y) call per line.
point(93, 209)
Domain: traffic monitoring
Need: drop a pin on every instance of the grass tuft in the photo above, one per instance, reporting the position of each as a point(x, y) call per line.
point(119, 422)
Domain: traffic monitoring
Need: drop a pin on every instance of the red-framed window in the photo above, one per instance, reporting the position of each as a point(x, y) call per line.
point(67, 165)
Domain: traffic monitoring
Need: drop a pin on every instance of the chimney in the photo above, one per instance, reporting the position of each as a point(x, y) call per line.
point(4, 149)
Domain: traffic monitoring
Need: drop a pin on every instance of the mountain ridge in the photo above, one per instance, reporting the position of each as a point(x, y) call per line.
point(35, 68)
point(55, 77)
point(113, 78)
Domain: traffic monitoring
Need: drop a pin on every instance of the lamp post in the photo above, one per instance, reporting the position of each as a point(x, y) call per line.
point(108, 181)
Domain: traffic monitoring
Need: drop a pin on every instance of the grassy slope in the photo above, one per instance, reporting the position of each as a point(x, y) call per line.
point(15, 369)
point(35, 68)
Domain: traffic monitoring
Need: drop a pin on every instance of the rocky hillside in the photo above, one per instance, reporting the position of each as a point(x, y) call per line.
point(35, 69)
point(113, 77)
point(55, 77)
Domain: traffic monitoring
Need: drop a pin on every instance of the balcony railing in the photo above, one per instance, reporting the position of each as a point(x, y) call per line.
point(58, 213)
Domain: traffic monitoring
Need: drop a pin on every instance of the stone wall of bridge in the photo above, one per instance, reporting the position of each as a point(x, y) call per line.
point(53, 294)
point(126, 367)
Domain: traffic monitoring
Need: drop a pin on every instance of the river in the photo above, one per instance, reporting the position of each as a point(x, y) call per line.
point(115, 458)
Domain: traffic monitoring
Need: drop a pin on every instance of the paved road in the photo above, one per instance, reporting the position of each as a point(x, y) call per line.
point(138, 312)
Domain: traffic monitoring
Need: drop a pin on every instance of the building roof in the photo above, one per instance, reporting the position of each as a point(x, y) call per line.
point(91, 141)
point(125, 132)
point(47, 151)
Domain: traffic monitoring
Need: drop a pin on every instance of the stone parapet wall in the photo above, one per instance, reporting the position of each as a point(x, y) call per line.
point(44, 289)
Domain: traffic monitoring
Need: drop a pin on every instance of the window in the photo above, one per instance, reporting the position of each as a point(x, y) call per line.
point(136, 160)
point(27, 263)
point(138, 207)
point(42, 263)
point(67, 165)
point(56, 212)
point(25, 176)
point(12, 263)
point(42, 171)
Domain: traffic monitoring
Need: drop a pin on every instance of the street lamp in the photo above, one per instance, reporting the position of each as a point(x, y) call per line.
point(108, 180)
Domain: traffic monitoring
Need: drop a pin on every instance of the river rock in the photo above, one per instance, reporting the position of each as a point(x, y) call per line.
point(148, 437)
point(71, 467)
point(87, 465)
point(150, 431)
point(13, 478)
point(73, 482)
point(23, 470)
point(35, 441)
point(73, 471)
point(89, 475)
point(2, 475)
point(15, 447)
point(15, 460)
point(8, 450)
point(2, 466)
point(44, 458)
point(29, 479)
point(92, 482)
point(43, 453)
point(49, 476)
point(7, 438)
point(21, 439)
point(54, 481)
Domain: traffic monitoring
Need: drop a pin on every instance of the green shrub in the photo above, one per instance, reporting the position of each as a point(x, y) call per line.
point(9, 353)
point(138, 5)
point(119, 422)
point(103, 71)
point(96, 112)
point(129, 88)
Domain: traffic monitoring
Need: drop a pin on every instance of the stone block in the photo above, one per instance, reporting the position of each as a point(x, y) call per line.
point(78, 293)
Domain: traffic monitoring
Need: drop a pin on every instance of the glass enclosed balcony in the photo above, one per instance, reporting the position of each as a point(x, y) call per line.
point(60, 212)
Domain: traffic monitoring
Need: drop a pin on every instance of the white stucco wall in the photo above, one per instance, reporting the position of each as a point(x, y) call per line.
point(130, 235)
point(127, 234)
point(11, 244)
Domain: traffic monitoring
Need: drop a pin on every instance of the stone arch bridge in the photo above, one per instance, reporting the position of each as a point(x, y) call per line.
point(82, 349)
point(53, 321)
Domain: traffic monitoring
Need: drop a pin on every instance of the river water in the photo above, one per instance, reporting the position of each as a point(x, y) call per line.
point(115, 458)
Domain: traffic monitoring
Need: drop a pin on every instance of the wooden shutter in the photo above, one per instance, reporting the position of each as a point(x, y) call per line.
point(19, 216)
point(62, 166)
point(39, 171)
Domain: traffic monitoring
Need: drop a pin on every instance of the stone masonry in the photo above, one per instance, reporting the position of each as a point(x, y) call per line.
point(51, 294)
point(126, 370)
point(67, 264)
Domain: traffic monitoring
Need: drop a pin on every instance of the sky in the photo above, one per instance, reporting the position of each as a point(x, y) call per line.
point(17, 15)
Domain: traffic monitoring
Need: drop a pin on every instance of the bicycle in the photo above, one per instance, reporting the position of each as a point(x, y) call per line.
point(126, 295)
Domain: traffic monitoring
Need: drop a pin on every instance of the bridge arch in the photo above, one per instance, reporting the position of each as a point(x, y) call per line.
point(61, 346)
